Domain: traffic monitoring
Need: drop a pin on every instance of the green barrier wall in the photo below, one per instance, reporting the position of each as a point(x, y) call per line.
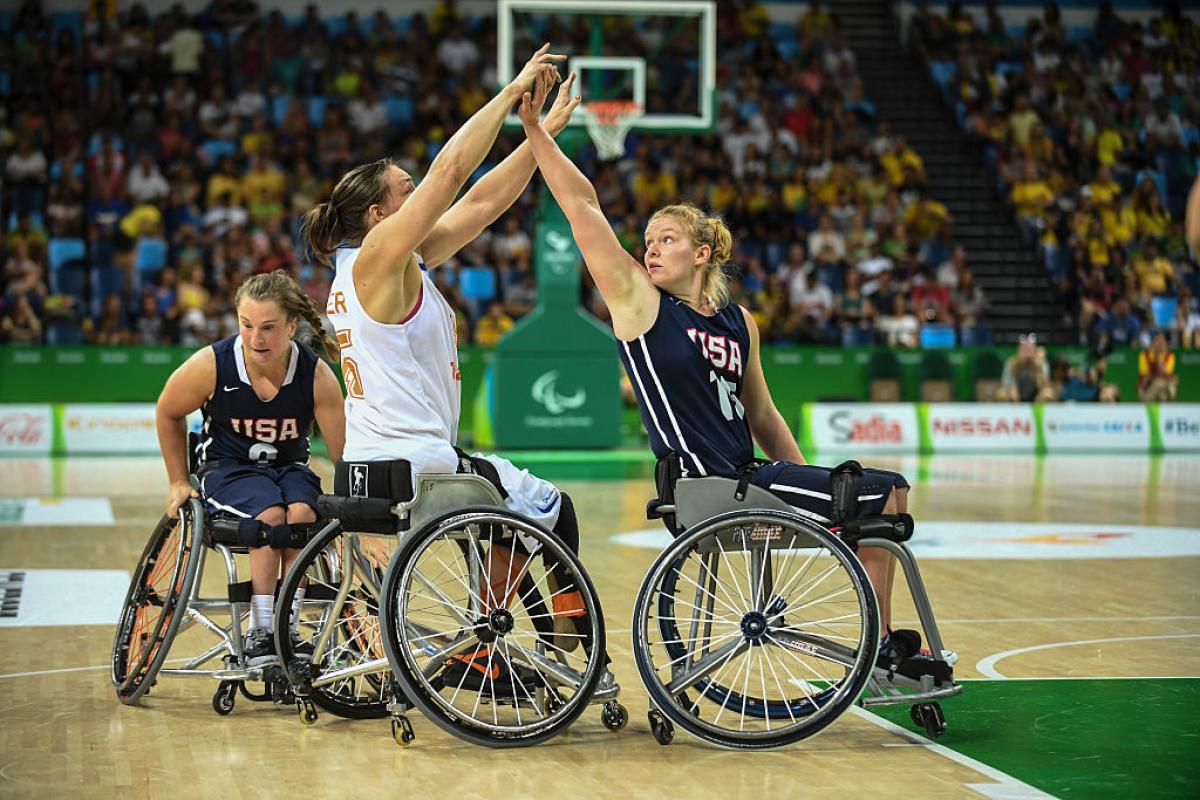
point(796, 375)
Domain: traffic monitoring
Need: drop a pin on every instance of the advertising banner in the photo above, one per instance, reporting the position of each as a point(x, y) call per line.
point(1075, 427)
point(970, 427)
point(26, 430)
point(109, 428)
point(871, 427)
point(1179, 426)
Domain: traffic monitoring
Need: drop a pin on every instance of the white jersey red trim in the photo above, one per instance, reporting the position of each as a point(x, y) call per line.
point(402, 380)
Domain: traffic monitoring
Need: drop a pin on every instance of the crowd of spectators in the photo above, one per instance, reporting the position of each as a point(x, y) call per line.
point(151, 162)
point(1094, 136)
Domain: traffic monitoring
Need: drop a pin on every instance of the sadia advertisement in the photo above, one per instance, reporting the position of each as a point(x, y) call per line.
point(26, 430)
point(883, 428)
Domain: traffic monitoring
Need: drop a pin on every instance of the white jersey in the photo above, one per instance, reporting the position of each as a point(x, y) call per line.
point(403, 387)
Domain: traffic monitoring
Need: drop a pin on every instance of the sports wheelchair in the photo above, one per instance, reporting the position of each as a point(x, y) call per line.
point(758, 627)
point(164, 600)
point(461, 622)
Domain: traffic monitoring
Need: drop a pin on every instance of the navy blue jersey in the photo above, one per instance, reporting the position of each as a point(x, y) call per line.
point(687, 372)
point(240, 426)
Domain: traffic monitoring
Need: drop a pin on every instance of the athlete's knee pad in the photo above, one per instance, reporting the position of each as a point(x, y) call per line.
point(253, 533)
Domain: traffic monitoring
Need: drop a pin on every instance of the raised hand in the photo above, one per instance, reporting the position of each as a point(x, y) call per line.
point(563, 107)
point(524, 82)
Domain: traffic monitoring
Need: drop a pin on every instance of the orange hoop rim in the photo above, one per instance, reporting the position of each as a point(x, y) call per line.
point(607, 112)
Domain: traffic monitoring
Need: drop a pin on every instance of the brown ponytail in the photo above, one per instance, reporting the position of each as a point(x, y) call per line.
point(280, 287)
point(711, 230)
point(343, 218)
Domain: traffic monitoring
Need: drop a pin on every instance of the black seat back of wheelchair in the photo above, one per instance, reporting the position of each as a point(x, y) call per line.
point(366, 495)
point(685, 502)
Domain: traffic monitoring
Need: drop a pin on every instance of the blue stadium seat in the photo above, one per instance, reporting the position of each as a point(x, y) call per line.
point(857, 337)
point(477, 283)
point(5, 85)
point(218, 148)
point(976, 337)
point(935, 335)
point(279, 107)
point(70, 281)
point(316, 110)
point(1162, 309)
point(400, 110)
point(106, 281)
point(61, 251)
point(64, 333)
point(34, 216)
point(151, 255)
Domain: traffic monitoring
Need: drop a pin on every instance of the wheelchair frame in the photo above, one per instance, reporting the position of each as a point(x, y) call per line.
point(711, 504)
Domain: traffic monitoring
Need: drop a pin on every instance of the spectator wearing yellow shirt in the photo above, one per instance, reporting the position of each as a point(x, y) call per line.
point(1108, 145)
point(1120, 224)
point(1153, 221)
point(492, 325)
point(260, 137)
point(795, 189)
point(1105, 190)
point(816, 22)
point(1155, 273)
point(724, 192)
point(927, 219)
point(1021, 121)
point(224, 181)
point(653, 186)
point(1031, 197)
point(1157, 381)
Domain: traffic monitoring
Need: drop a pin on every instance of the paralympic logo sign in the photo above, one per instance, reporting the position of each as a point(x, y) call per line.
point(545, 392)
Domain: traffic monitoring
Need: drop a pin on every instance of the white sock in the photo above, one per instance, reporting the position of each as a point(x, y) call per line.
point(262, 612)
point(296, 605)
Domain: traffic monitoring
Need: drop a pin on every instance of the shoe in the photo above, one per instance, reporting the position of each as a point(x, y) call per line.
point(916, 667)
point(259, 647)
point(896, 647)
point(474, 672)
point(300, 645)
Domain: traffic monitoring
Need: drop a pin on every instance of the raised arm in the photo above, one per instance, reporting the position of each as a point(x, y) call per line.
point(389, 245)
point(496, 191)
point(329, 410)
point(767, 425)
point(185, 391)
point(623, 282)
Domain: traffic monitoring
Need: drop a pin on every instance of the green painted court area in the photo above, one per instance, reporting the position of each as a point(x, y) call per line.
point(1089, 738)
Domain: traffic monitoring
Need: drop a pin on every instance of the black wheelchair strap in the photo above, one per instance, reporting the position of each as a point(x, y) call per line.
point(470, 465)
point(843, 489)
point(893, 527)
point(745, 474)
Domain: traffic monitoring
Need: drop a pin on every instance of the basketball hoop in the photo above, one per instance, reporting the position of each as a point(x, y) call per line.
point(608, 122)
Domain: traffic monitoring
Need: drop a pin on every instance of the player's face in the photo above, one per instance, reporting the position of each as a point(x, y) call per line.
point(671, 257)
point(266, 331)
point(400, 186)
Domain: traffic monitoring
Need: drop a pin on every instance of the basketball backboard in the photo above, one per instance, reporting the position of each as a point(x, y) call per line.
point(661, 55)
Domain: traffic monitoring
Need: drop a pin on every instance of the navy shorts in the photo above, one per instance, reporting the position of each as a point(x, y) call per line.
point(806, 488)
point(246, 490)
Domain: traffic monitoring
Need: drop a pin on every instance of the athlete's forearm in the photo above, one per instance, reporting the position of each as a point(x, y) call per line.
point(465, 150)
point(496, 191)
point(172, 441)
point(570, 187)
point(776, 440)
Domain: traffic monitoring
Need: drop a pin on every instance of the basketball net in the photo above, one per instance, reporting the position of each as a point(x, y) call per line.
point(608, 122)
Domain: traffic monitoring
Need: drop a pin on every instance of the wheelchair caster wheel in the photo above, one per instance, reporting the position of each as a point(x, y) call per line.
point(614, 716)
point(308, 712)
point(661, 727)
point(223, 698)
point(929, 716)
point(402, 731)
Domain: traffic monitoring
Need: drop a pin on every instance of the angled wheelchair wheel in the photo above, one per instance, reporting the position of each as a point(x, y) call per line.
point(469, 628)
point(156, 602)
point(755, 629)
point(338, 629)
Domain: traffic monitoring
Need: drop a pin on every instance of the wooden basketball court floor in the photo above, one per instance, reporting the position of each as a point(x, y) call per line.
point(1123, 602)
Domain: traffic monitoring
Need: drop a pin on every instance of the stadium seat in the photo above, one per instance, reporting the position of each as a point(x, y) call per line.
point(63, 251)
point(400, 110)
point(64, 333)
point(477, 283)
point(279, 107)
point(935, 335)
point(106, 281)
point(937, 384)
point(883, 377)
point(977, 336)
point(1162, 309)
point(151, 255)
point(70, 281)
point(986, 370)
point(316, 110)
point(218, 148)
point(857, 337)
